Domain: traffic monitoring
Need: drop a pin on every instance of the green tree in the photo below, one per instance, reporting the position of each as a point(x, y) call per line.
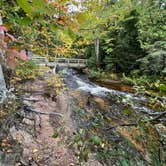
point(127, 48)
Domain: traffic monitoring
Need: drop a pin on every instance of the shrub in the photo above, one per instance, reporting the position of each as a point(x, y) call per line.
point(94, 74)
point(26, 70)
point(155, 62)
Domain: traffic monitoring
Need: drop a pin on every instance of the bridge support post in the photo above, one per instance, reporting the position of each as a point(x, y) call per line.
point(54, 69)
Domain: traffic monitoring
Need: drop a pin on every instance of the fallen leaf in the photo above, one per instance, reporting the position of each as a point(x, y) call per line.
point(35, 150)
point(9, 151)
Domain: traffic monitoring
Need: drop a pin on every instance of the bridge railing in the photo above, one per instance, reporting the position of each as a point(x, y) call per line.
point(40, 59)
point(71, 60)
point(61, 61)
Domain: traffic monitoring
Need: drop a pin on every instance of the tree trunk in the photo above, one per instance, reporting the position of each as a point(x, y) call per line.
point(97, 45)
point(2, 80)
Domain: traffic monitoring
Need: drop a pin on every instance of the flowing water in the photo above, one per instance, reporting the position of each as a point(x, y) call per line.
point(76, 81)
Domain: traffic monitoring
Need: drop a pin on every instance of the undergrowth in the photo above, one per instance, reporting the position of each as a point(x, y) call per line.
point(110, 143)
point(7, 108)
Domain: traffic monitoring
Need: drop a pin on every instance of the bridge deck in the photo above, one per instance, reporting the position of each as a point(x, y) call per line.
point(64, 62)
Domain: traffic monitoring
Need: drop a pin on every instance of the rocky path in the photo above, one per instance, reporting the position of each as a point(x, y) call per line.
point(43, 137)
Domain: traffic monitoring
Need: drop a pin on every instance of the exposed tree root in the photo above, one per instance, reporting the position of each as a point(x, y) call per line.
point(27, 108)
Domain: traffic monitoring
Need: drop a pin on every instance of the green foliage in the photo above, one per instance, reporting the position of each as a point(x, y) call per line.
point(127, 112)
point(127, 80)
point(82, 145)
point(155, 61)
point(150, 87)
point(150, 82)
point(7, 108)
point(131, 37)
point(108, 145)
point(162, 88)
point(94, 74)
point(130, 41)
point(37, 27)
point(134, 80)
point(25, 6)
point(152, 22)
point(96, 140)
point(125, 49)
point(57, 132)
point(26, 70)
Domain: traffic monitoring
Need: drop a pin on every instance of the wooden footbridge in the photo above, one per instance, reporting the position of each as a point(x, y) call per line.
point(61, 62)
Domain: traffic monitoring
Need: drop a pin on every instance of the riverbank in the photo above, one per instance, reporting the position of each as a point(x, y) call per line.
point(151, 88)
point(84, 124)
point(151, 83)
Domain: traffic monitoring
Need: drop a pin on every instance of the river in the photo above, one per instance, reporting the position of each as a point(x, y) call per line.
point(75, 80)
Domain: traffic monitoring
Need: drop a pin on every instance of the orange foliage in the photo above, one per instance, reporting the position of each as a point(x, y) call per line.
point(63, 8)
point(12, 55)
point(61, 21)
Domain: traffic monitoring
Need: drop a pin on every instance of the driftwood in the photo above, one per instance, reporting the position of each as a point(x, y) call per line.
point(27, 108)
point(157, 118)
point(157, 113)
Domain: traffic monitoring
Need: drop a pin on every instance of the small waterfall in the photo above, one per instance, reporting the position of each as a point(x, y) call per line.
point(76, 81)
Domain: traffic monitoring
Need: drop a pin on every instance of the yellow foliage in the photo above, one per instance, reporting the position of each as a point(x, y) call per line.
point(63, 51)
point(56, 82)
point(14, 80)
point(82, 42)
point(4, 143)
point(128, 134)
point(26, 70)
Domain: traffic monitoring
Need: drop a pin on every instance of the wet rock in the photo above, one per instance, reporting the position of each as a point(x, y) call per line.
point(21, 136)
point(7, 160)
point(81, 97)
point(100, 103)
point(92, 161)
point(28, 122)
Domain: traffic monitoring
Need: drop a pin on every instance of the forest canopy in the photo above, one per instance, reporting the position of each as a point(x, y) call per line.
point(115, 35)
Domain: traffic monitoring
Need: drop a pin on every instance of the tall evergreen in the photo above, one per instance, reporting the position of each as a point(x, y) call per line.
point(127, 48)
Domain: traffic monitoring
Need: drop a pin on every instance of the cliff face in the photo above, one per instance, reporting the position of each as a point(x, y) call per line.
point(2, 80)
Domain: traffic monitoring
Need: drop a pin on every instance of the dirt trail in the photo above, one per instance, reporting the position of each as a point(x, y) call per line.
point(46, 150)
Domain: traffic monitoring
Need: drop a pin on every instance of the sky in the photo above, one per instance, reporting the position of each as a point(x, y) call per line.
point(73, 8)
